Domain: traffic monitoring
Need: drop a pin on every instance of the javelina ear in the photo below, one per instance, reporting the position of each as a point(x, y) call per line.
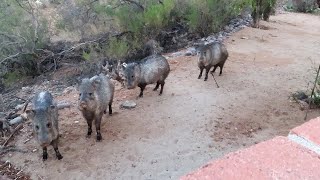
point(30, 113)
point(124, 65)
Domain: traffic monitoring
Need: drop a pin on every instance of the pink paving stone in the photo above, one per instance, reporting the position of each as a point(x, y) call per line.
point(278, 158)
point(309, 130)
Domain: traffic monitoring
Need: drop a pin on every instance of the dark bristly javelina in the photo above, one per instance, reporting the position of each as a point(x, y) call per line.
point(44, 117)
point(96, 95)
point(150, 70)
point(214, 54)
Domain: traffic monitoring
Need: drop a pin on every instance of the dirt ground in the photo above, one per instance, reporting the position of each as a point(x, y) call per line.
point(193, 122)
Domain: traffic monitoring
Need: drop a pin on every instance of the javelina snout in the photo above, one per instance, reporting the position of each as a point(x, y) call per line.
point(44, 116)
point(96, 94)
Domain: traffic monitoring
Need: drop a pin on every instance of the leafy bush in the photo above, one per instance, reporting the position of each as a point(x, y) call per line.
point(207, 16)
point(305, 6)
point(22, 33)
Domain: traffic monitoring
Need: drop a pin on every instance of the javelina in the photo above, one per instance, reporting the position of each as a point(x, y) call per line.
point(214, 54)
point(152, 69)
point(44, 116)
point(96, 94)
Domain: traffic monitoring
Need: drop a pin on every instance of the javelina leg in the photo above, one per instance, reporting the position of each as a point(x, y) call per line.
point(55, 147)
point(98, 123)
point(221, 67)
point(110, 108)
point(201, 70)
point(44, 153)
point(89, 122)
point(214, 69)
point(161, 90)
point(157, 86)
point(142, 87)
point(207, 71)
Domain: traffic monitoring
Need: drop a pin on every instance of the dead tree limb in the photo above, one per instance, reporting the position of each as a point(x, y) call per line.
point(11, 135)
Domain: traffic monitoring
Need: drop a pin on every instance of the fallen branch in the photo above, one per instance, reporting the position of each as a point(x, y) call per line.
point(4, 150)
point(23, 116)
point(214, 79)
point(14, 131)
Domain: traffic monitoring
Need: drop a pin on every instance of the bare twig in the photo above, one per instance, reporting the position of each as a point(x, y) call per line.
point(14, 131)
point(214, 79)
point(312, 92)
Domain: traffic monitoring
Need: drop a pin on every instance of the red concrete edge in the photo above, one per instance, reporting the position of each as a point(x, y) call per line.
point(292, 157)
point(309, 131)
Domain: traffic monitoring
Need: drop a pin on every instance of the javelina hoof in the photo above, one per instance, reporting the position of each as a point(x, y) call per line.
point(59, 156)
point(199, 77)
point(88, 136)
point(44, 156)
point(205, 79)
point(99, 137)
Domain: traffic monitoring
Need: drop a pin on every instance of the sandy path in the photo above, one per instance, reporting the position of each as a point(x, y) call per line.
point(194, 121)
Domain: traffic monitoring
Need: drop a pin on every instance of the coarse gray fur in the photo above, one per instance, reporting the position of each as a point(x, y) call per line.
point(150, 70)
point(44, 117)
point(211, 55)
point(96, 95)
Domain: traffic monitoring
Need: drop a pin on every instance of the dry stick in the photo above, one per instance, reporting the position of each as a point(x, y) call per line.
point(215, 80)
point(314, 86)
point(15, 130)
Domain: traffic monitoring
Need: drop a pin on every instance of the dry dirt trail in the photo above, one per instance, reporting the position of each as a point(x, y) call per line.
point(193, 122)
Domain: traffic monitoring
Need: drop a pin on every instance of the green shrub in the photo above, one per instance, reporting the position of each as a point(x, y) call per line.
point(208, 16)
point(117, 48)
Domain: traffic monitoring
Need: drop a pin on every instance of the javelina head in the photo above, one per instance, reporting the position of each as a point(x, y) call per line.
point(201, 52)
point(88, 93)
point(113, 70)
point(43, 123)
point(131, 74)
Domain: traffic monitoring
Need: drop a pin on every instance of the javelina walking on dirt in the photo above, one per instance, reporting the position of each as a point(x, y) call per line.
point(150, 70)
point(44, 116)
point(96, 95)
point(214, 54)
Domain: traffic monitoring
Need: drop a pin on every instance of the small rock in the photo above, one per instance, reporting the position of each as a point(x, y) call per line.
point(76, 122)
point(128, 105)
point(154, 161)
point(19, 107)
point(34, 150)
point(244, 37)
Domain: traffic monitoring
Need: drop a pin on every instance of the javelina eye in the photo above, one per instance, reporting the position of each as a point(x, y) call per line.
point(49, 125)
point(132, 76)
point(90, 94)
point(80, 94)
point(37, 127)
